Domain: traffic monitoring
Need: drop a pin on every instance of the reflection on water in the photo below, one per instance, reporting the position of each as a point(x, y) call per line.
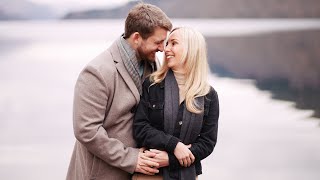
point(259, 137)
point(304, 98)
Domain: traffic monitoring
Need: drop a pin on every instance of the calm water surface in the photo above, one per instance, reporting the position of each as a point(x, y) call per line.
point(259, 138)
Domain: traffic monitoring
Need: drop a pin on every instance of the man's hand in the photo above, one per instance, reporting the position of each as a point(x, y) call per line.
point(142, 149)
point(161, 157)
point(146, 164)
point(183, 154)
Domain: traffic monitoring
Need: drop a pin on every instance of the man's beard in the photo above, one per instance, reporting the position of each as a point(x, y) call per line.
point(143, 55)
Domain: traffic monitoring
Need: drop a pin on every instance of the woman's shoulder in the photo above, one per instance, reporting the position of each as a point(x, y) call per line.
point(212, 94)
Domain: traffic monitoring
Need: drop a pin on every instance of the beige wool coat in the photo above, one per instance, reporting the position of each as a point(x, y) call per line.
point(104, 98)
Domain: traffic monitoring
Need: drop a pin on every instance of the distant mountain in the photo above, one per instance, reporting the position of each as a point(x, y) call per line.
point(285, 63)
point(216, 9)
point(293, 56)
point(24, 10)
point(118, 12)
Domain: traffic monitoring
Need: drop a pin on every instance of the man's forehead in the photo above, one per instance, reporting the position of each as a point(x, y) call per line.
point(159, 35)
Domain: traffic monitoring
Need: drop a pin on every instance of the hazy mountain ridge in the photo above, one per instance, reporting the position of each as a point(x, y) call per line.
point(286, 63)
point(290, 55)
point(119, 12)
point(217, 9)
point(24, 10)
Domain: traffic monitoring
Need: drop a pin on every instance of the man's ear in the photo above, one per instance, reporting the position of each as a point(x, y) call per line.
point(136, 38)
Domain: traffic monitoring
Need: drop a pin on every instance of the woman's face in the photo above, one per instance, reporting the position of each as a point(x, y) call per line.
point(174, 50)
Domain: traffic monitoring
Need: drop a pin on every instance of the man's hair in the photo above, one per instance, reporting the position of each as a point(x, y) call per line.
point(144, 19)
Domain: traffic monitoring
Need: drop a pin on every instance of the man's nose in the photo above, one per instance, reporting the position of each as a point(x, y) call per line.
point(161, 47)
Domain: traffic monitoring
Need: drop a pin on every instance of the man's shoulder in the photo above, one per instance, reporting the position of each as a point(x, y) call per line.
point(108, 58)
point(104, 62)
point(104, 58)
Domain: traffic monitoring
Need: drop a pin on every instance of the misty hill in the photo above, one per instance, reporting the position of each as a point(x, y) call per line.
point(289, 55)
point(216, 9)
point(24, 10)
point(286, 63)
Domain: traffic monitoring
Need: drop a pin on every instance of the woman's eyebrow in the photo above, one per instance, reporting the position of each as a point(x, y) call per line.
point(173, 39)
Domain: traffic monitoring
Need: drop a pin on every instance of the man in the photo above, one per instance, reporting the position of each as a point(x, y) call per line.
point(106, 95)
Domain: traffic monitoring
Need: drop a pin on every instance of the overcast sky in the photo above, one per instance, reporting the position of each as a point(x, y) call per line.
point(80, 4)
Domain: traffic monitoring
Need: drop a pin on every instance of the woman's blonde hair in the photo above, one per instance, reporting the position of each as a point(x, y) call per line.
point(194, 58)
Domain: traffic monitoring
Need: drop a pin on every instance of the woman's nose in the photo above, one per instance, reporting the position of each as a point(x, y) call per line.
point(166, 48)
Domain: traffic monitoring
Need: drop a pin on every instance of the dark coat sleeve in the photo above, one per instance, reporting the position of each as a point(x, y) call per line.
point(206, 142)
point(144, 133)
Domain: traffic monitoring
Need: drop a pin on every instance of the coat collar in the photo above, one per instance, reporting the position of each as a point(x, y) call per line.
point(118, 59)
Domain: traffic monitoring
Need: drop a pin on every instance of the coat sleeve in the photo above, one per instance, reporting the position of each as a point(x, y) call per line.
point(90, 101)
point(144, 133)
point(207, 139)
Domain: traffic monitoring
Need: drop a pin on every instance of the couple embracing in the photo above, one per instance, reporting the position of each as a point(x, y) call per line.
point(135, 119)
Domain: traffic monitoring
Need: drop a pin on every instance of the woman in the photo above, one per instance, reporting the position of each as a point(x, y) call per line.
point(179, 110)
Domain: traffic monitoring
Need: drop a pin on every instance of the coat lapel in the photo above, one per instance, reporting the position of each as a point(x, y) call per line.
point(115, 52)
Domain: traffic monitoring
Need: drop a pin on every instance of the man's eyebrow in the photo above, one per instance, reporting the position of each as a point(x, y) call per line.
point(159, 41)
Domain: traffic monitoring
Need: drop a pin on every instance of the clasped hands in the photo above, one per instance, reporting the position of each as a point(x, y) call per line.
point(149, 161)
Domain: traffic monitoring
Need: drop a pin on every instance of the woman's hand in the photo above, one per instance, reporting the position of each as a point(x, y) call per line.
point(161, 157)
point(183, 154)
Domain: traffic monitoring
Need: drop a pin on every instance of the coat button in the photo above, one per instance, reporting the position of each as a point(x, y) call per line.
point(154, 106)
point(133, 109)
point(180, 123)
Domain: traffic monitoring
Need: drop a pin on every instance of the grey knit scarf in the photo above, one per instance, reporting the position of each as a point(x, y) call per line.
point(191, 123)
point(130, 62)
